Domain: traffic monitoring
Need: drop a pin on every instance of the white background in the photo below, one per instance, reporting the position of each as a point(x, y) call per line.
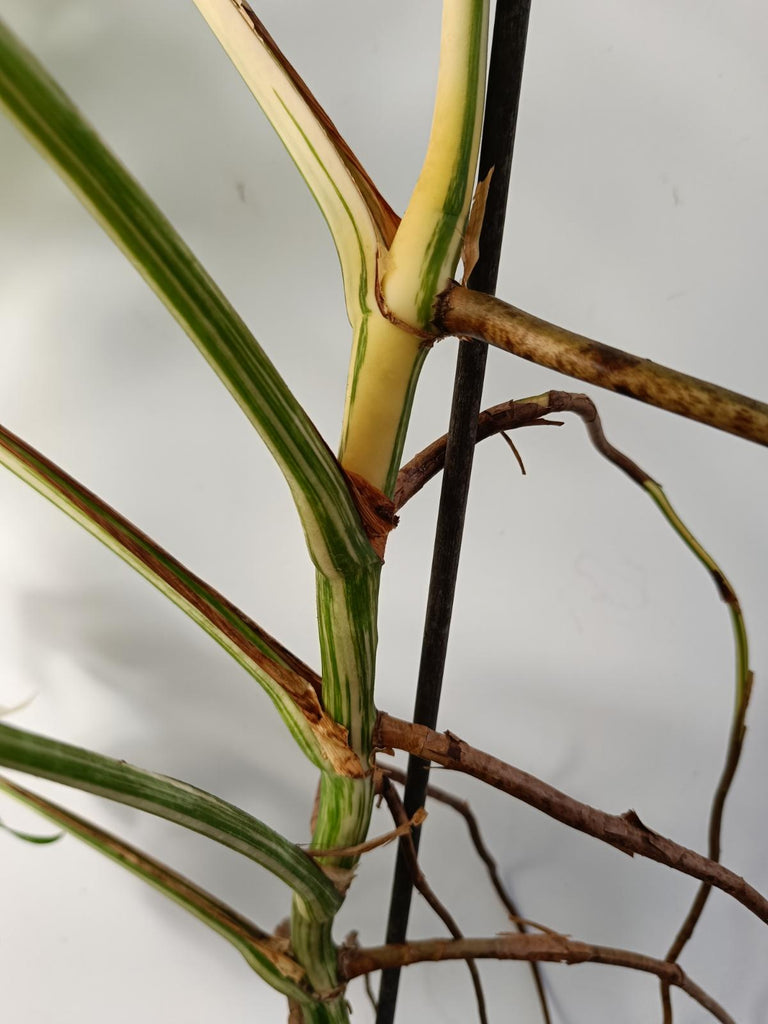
point(588, 646)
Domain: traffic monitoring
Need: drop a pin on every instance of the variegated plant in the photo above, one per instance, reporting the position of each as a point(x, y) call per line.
point(400, 297)
point(342, 504)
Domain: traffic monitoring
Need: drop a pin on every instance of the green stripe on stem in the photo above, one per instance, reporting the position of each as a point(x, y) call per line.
point(423, 256)
point(421, 260)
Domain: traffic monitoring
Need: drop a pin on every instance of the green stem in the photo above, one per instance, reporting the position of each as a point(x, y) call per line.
point(347, 613)
point(383, 375)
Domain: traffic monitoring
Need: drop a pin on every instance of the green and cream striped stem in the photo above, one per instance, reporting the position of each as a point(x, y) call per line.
point(391, 341)
point(265, 954)
point(423, 256)
point(347, 615)
point(386, 360)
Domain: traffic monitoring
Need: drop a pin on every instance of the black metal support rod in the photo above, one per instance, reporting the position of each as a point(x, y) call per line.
point(500, 121)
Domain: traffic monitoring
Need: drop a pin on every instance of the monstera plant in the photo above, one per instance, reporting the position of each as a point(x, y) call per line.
point(410, 280)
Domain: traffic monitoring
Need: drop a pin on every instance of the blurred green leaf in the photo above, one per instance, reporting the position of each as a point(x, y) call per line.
point(27, 837)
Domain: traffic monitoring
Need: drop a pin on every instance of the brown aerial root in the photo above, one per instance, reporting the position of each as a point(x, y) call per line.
point(399, 816)
point(522, 924)
point(354, 961)
point(625, 831)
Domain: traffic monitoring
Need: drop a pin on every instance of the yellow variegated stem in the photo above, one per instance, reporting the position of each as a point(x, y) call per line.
point(360, 221)
point(426, 248)
point(386, 359)
point(389, 350)
point(347, 614)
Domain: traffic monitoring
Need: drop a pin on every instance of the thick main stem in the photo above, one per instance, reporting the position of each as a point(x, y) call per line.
point(347, 611)
point(417, 266)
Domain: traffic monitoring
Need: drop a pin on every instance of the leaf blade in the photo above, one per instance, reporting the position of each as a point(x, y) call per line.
point(173, 800)
point(291, 685)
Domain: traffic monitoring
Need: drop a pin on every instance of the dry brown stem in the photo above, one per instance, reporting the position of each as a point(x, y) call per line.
point(553, 949)
point(511, 415)
point(625, 831)
point(430, 461)
point(469, 314)
point(462, 807)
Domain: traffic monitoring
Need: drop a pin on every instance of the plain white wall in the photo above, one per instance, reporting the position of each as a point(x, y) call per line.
point(588, 646)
